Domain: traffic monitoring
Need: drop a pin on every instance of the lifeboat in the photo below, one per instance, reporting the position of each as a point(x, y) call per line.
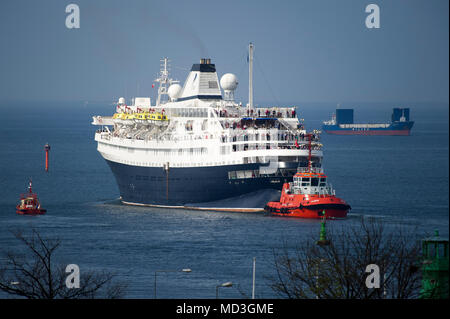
point(159, 119)
point(142, 118)
point(309, 196)
point(128, 119)
point(29, 204)
point(119, 118)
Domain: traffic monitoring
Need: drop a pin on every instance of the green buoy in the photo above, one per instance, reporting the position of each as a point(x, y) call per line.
point(323, 241)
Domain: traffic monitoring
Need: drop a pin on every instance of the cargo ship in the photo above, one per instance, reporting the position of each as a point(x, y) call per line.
point(196, 147)
point(342, 124)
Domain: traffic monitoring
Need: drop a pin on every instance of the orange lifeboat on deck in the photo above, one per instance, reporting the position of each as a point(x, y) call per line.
point(29, 204)
point(309, 196)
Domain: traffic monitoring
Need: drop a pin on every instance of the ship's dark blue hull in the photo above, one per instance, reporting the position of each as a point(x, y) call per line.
point(397, 128)
point(186, 186)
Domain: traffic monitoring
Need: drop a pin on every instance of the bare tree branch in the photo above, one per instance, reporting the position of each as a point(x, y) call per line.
point(338, 271)
point(37, 276)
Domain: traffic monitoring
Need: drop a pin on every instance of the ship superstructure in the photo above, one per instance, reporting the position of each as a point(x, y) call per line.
point(195, 145)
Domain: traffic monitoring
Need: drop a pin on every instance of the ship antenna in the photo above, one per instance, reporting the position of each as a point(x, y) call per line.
point(163, 79)
point(29, 187)
point(250, 76)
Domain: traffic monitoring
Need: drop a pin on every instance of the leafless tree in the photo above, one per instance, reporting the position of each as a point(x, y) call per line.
point(338, 270)
point(36, 275)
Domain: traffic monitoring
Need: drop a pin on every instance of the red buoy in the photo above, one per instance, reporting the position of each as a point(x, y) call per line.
point(47, 150)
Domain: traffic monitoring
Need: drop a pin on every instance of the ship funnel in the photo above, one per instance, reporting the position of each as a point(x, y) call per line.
point(201, 83)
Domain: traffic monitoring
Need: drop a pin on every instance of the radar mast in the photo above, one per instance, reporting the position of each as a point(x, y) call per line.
point(164, 80)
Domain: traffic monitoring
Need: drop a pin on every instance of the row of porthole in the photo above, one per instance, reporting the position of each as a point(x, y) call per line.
point(176, 164)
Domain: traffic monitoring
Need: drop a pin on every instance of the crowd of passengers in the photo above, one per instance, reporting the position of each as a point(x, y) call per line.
point(261, 112)
point(266, 124)
point(268, 146)
point(282, 136)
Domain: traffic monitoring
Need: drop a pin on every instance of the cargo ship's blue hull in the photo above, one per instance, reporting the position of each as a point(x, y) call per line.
point(398, 128)
point(197, 186)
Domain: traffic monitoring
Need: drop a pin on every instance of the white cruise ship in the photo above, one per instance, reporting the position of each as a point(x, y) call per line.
point(196, 147)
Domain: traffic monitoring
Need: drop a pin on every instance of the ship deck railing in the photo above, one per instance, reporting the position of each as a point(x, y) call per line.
point(239, 143)
point(257, 112)
point(280, 125)
point(267, 146)
point(28, 196)
point(258, 173)
point(365, 125)
point(314, 170)
point(319, 194)
point(267, 135)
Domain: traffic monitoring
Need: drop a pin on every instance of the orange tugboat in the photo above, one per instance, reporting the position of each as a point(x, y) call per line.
point(309, 196)
point(29, 204)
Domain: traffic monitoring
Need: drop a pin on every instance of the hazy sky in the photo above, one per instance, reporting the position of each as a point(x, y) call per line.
point(305, 50)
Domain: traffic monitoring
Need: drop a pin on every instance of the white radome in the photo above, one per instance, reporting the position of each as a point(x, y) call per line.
point(229, 82)
point(174, 91)
point(122, 100)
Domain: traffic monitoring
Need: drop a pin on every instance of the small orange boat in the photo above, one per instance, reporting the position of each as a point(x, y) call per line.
point(309, 196)
point(29, 203)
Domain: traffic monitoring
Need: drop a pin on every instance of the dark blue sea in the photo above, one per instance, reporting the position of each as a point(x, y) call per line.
point(400, 180)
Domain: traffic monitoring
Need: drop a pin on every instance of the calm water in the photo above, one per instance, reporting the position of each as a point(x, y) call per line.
point(401, 180)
